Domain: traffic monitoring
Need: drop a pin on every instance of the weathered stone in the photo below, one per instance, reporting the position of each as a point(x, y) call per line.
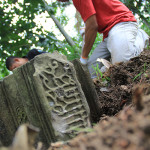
point(88, 88)
point(45, 93)
point(1, 144)
point(9, 110)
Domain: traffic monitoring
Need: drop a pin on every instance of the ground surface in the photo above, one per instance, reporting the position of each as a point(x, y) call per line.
point(124, 78)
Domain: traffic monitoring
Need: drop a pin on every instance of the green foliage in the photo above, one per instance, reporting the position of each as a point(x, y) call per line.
point(145, 67)
point(142, 9)
point(19, 32)
point(99, 74)
point(138, 75)
point(99, 39)
point(80, 130)
point(145, 28)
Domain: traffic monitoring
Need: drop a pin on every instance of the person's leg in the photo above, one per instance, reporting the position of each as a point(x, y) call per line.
point(125, 41)
point(142, 40)
point(100, 51)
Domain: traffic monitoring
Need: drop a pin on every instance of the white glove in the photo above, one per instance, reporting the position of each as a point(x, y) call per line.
point(83, 60)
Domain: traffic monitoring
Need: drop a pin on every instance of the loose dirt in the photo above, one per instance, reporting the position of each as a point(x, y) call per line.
point(124, 77)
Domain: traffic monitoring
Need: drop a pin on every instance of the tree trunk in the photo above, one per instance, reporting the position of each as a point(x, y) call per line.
point(67, 37)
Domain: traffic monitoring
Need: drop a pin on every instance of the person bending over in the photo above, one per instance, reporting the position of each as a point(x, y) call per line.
point(122, 39)
point(13, 62)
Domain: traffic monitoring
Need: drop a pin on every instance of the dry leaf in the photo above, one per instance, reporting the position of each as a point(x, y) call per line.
point(105, 62)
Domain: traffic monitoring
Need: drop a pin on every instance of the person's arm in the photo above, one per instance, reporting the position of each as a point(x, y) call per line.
point(91, 28)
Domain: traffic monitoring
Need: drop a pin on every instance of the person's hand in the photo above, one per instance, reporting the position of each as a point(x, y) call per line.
point(63, 0)
point(83, 60)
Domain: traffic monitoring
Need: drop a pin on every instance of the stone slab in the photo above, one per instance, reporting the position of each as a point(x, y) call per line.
point(88, 88)
point(44, 92)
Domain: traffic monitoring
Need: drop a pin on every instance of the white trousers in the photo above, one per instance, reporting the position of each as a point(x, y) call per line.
point(125, 41)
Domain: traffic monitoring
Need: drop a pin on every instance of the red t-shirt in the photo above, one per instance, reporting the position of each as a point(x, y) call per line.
point(108, 13)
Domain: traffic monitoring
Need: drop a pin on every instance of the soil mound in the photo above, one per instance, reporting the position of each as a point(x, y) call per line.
point(119, 90)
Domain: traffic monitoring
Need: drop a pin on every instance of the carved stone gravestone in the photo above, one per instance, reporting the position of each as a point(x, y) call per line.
point(89, 90)
point(44, 92)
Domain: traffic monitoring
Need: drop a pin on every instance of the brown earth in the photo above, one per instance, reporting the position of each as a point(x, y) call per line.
point(124, 77)
point(124, 100)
